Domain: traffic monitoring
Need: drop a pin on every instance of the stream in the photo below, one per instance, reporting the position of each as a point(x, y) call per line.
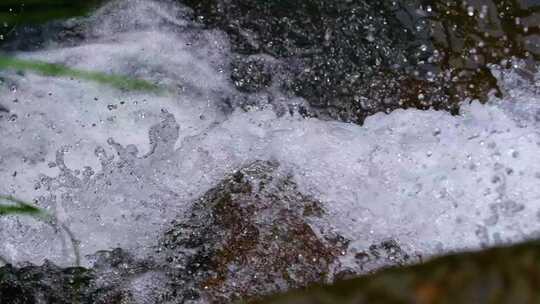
point(276, 144)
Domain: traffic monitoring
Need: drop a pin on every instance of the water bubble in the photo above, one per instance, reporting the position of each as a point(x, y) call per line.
point(370, 37)
point(470, 11)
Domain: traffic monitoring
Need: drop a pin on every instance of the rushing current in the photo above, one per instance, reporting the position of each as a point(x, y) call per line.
point(117, 166)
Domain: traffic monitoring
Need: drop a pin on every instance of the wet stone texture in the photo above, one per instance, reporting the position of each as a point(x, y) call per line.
point(251, 74)
point(45, 284)
point(251, 236)
point(110, 281)
point(334, 51)
point(377, 256)
point(350, 59)
point(468, 36)
point(35, 37)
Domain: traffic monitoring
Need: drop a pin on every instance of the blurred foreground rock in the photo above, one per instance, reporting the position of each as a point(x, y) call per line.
point(502, 275)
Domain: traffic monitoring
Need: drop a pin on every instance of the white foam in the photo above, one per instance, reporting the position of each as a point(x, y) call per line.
point(432, 181)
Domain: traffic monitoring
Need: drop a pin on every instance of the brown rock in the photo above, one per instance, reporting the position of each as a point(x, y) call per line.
point(251, 236)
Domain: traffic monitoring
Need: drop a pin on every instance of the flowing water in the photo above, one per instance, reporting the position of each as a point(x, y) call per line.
point(117, 166)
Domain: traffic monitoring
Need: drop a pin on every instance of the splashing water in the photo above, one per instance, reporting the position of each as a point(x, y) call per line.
point(117, 166)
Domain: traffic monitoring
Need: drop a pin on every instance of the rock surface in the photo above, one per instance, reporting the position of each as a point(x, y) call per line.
point(503, 275)
point(251, 236)
point(110, 281)
point(351, 59)
point(335, 52)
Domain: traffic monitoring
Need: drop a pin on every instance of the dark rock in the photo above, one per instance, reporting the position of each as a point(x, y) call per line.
point(339, 53)
point(43, 284)
point(35, 37)
point(350, 59)
point(108, 282)
point(381, 255)
point(29, 26)
point(251, 236)
point(468, 37)
point(504, 275)
point(251, 74)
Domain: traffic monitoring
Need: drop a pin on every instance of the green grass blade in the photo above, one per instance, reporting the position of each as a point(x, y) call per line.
point(22, 208)
point(57, 70)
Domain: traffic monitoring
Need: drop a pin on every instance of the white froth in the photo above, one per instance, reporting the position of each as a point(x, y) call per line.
point(432, 181)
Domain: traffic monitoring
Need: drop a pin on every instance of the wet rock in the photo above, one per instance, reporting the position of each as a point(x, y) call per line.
point(43, 284)
point(251, 74)
point(338, 52)
point(503, 275)
point(350, 59)
point(112, 279)
point(250, 236)
point(469, 36)
point(381, 255)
